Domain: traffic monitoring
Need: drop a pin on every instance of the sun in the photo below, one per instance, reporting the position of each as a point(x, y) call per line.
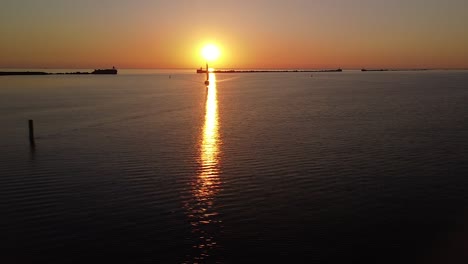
point(210, 52)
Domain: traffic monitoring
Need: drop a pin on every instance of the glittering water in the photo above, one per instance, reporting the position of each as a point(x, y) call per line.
point(143, 168)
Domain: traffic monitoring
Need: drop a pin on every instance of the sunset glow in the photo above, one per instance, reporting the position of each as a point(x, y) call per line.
point(171, 34)
point(210, 52)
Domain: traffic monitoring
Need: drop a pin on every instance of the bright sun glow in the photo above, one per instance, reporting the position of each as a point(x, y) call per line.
point(210, 52)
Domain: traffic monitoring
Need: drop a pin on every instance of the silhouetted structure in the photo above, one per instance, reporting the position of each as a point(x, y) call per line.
point(380, 70)
point(261, 71)
point(31, 133)
point(374, 70)
point(97, 71)
point(105, 71)
point(23, 73)
point(207, 82)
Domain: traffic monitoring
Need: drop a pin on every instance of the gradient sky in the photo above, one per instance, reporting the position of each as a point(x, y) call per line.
point(251, 34)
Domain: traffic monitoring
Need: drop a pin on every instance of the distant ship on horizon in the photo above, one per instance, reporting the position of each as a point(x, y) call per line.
point(105, 71)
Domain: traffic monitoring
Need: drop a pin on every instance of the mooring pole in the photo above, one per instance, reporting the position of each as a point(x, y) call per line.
point(31, 133)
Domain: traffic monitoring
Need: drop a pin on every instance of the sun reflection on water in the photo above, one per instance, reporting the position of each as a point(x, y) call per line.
point(203, 217)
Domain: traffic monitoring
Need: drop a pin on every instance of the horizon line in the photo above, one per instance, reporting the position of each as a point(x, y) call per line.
point(251, 68)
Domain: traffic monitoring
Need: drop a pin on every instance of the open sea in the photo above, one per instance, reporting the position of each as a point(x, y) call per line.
point(154, 167)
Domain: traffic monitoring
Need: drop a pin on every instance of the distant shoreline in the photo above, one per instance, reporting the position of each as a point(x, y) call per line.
point(42, 72)
point(380, 70)
point(98, 71)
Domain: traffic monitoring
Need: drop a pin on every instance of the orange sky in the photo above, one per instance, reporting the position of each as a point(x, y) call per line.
point(254, 34)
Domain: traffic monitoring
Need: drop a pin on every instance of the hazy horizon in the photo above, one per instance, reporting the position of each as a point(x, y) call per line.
point(239, 68)
point(261, 34)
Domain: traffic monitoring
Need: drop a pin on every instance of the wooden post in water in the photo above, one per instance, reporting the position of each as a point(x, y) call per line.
point(31, 133)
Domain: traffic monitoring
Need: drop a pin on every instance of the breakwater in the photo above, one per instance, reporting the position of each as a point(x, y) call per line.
point(98, 71)
point(266, 71)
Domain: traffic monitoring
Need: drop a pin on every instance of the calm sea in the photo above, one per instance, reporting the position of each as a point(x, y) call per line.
point(153, 167)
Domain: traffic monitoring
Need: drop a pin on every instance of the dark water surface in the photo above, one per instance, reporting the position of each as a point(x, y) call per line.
point(143, 168)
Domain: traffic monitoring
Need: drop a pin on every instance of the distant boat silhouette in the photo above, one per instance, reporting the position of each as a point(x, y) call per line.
point(207, 82)
point(105, 71)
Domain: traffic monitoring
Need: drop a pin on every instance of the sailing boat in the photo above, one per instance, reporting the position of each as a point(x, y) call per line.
point(207, 82)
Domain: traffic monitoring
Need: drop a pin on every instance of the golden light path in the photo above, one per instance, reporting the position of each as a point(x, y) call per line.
point(209, 146)
point(203, 216)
